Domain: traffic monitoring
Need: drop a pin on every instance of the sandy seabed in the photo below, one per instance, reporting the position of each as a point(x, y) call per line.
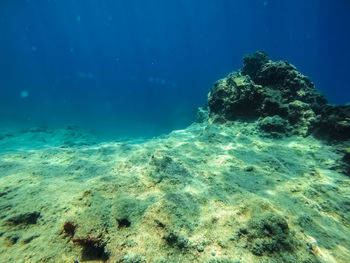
point(208, 193)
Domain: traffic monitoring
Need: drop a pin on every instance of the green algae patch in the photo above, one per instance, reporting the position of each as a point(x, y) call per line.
point(269, 234)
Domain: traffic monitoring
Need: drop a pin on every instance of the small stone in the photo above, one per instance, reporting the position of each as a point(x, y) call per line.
point(243, 230)
point(12, 239)
point(249, 169)
point(200, 249)
point(213, 253)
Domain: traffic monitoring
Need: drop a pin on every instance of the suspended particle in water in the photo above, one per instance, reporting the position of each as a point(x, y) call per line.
point(24, 94)
point(34, 48)
point(308, 36)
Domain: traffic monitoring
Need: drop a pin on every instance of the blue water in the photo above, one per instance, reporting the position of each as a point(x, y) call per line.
point(142, 67)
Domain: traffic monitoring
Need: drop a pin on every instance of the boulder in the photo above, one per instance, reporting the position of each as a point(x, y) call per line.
point(263, 88)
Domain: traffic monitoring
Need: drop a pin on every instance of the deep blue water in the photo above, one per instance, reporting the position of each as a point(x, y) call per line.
point(142, 67)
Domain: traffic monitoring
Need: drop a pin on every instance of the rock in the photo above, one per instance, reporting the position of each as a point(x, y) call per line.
point(129, 209)
point(92, 248)
point(200, 249)
point(286, 100)
point(346, 157)
point(268, 233)
point(344, 163)
point(301, 117)
point(12, 239)
point(249, 169)
point(252, 63)
point(274, 124)
point(132, 258)
point(202, 115)
point(334, 123)
point(123, 223)
point(242, 231)
point(24, 218)
point(30, 238)
point(235, 97)
point(175, 240)
point(168, 170)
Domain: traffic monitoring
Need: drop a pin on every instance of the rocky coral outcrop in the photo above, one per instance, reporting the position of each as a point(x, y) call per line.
point(264, 88)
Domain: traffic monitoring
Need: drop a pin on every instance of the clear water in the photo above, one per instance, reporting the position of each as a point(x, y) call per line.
point(141, 68)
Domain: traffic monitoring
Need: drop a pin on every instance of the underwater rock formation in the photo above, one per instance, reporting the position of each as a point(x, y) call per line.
point(264, 88)
point(253, 62)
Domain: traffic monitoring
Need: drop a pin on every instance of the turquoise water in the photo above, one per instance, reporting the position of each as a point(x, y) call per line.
point(142, 68)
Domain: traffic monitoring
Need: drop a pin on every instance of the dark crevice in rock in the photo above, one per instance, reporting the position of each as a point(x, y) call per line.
point(92, 248)
point(28, 218)
point(123, 222)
